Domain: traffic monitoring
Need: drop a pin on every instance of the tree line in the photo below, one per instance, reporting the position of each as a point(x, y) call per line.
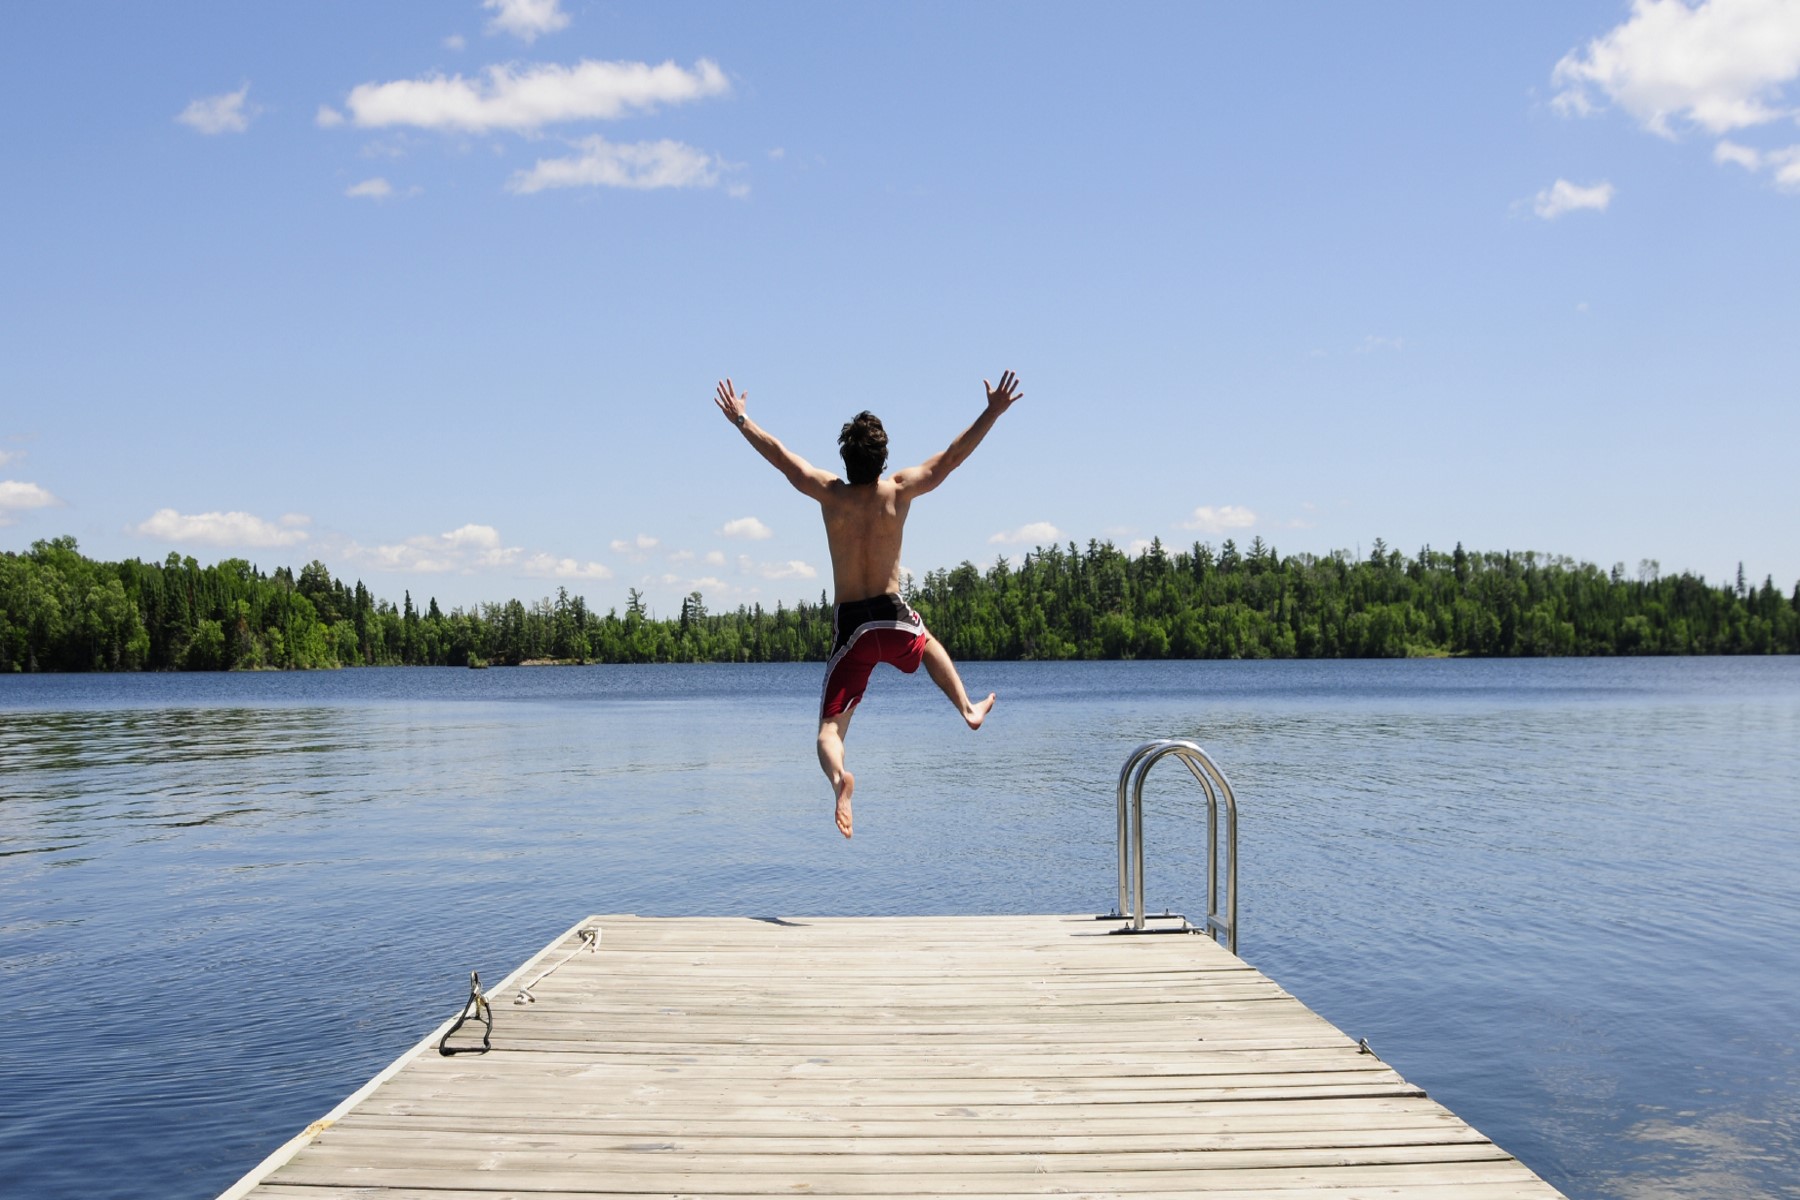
point(61, 611)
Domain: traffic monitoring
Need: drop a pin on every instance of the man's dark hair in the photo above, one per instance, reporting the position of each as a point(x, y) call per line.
point(864, 445)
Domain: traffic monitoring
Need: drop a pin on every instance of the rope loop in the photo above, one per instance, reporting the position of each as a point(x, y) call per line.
point(590, 941)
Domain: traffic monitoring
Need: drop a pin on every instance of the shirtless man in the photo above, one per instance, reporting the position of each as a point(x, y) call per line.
point(864, 520)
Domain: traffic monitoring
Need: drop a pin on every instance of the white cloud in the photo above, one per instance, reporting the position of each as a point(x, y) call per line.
point(1563, 197)
point(639, 165)
point(1138, 547)
point(328, 117)
point(7, 456)
point(455, 42)
point(221, 529)
point(526, 20)
point(526, 99)
point(473, 537)
point(548, 566)
point(375, 189)
point(227, 113)
point(1719, 65)
point(1208, 519)
point(793, 568)
point(715, 558)
point(1037, 533)
point(18, 497)
point(1372, 342)
point(748, 528)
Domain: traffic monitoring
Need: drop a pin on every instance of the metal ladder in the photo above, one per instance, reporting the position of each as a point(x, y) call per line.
point(1131, 841)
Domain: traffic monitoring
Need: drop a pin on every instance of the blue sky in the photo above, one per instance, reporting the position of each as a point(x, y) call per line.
point(438, 292)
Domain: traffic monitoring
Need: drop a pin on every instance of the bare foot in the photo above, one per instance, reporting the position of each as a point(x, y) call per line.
point(978, 711)
point(846, 785)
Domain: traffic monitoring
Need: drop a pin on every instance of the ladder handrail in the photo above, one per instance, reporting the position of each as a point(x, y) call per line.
point(1131, 833)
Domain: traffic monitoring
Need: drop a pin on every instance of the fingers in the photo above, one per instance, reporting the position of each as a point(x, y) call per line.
point(728, 400)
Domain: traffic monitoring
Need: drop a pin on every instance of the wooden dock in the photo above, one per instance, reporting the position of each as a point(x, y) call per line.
point(975, 1057)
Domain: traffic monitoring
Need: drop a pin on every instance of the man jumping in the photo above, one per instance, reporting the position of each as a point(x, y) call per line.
point(864, 521)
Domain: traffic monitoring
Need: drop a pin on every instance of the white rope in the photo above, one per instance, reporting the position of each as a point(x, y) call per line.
point(590, 941)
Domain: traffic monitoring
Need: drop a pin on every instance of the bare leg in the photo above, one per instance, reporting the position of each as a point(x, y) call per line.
point(943, 673)
point(831, 761)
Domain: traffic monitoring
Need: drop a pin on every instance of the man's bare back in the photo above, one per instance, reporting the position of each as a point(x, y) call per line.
point(864, 526)
point(865, 522)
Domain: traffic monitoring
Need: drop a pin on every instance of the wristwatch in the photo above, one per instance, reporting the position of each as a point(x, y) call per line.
point(740, 419)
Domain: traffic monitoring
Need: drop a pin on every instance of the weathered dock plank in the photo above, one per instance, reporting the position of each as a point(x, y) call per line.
point(913, 1056)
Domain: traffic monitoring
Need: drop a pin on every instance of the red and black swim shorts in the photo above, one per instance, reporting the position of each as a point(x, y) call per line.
point(878, 629)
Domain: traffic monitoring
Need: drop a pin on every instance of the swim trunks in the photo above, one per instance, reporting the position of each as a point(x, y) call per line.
point(879, 629)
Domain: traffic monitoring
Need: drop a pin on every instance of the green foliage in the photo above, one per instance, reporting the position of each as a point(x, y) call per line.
point(60, 611)
point(1063, 602)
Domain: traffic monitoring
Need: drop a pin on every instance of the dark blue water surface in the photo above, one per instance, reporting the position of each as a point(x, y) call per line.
point(1562, 896)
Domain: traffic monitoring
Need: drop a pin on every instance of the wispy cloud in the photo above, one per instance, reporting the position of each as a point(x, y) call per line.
point(468, 549)
point(748, 528)
point(1223, 519)
point(1565, 197)
point(1782, 163)
point(1744, 156)
point(549, 567)
point(1373, 342)
point(793, 568)
point(642, 166)
point(526, 20)
point(223, 529)
point(635, 548)
point(525, 99)
point(1035, 534)
point(421, 555)
point(17, 497)
point(229, 112)
point(373, 189)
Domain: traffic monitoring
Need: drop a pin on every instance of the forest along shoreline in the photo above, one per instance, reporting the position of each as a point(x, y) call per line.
point(62, 611)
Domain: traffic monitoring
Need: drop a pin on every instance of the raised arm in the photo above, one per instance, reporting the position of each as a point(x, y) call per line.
point(928, 474)
point(805, 477)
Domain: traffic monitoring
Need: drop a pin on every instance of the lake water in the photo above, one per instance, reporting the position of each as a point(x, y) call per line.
point(1560, 895)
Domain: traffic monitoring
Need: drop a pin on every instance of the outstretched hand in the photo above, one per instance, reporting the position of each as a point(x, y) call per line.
point(1000, 398)
point(729, 402)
